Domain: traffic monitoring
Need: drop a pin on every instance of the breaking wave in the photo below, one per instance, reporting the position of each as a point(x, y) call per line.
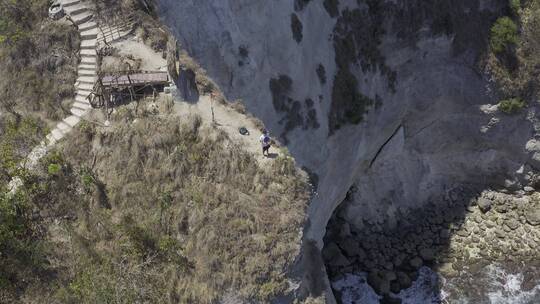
point(492, 285)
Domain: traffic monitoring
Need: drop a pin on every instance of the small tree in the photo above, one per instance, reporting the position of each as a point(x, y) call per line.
point(504, 34)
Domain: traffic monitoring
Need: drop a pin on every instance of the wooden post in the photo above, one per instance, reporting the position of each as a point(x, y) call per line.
point(212, 108)
point(172, 55)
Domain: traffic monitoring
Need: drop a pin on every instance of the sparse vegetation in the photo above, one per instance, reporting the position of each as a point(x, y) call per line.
point(348, 104)
point(17, 138)
point(280, 88)
point(296, 27)
point(151, 31)
point(512, 105)
point(515, 70)
point(300, 4)
point(357, 36)
point(321, 73)
point(24, 250)
point(332, 7)
point(243, 51)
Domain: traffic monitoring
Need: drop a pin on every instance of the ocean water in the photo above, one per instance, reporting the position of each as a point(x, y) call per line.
point(493, 285)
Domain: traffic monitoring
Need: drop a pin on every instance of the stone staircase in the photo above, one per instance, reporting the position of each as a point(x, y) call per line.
point(80, 12)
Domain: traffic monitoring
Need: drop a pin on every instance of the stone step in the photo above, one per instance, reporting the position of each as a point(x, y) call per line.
point(86, 79)
point(84, 93)
point(88, 60)
point(79, 112)
point(87, 67)
point(72, 120)
point(82, 98)
point(90, 33)
point(87, 72)
point(81, 18)
point(89, 44)
point(67, 3)
point(57, 134)
point(81, 105)
point(76, 8)
point(85, 86)
point(50, 139)
point(89, 25)
point(63, 127)
point(88, 53)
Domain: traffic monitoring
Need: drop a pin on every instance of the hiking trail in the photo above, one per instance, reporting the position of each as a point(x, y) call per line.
point(80, 12)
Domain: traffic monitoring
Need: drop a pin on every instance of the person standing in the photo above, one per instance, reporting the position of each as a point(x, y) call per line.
point(265, 142)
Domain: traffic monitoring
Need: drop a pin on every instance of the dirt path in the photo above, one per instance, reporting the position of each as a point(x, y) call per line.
point(230, 121)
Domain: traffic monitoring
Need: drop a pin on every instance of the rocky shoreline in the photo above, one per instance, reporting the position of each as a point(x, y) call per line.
point(454, 238)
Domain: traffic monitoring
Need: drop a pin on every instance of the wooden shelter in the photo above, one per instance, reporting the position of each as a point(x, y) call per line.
point(123, 87)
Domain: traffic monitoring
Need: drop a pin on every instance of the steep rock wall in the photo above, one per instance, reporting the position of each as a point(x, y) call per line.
point(399, 108)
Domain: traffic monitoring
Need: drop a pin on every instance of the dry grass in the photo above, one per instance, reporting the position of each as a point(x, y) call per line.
point(181, 212)
point(39, 69)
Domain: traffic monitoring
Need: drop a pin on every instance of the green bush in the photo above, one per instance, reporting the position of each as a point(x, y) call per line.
point(54, 169)
point(515, 5)
point(512, 105)
point(504, 34)
point(87, 179)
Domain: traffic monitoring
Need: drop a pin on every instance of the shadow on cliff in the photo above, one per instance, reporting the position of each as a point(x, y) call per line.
point(187, 86)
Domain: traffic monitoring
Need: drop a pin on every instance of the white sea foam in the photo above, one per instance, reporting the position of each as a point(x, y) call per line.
point(497, 285)
point(424, 290)
point(506, 288)
point(355, 290)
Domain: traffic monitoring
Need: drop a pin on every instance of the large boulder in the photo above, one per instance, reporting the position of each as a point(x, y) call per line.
point(532, 215)
point(378, 282)
point(352, 248)
point(427, 254)
point(333, 256)
point(484, 204)
point(416, 262)
point(404, 280)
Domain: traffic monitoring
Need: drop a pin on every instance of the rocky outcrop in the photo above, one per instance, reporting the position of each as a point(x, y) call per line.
point(402, 110)
point(453, 240)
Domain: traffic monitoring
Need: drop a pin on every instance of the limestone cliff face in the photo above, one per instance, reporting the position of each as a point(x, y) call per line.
point(386, 96)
